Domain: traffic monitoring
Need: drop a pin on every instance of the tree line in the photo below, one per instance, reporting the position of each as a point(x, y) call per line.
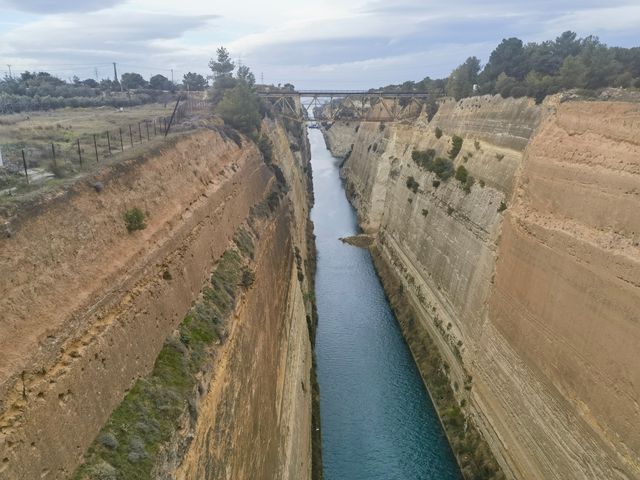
point(516, 69)
point(43, 91)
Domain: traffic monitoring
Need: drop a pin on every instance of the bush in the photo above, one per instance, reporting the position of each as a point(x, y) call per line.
point(435, 183)
point(499, 156)
point(502, 207)
point(462, 174)
point(248, 277)
point(438, 132)
point(239, 108)
point(476, 144)
point(266, 148)
point(412, 184)
point(468, 184)
point(424, 159)
point(443, 168)
point(450, 210)
point(425, 212)
point(456, 146)
point(134, 220)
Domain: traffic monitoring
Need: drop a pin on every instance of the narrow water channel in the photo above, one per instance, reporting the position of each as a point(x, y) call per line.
point(377, 419)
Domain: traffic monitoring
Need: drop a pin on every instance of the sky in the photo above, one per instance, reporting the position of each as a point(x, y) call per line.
point(321, 44)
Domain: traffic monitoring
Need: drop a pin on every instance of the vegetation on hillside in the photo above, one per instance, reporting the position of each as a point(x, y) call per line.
point(32, 91)
point(516, 69)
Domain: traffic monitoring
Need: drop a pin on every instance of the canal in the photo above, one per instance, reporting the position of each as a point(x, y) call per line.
point(377, 419)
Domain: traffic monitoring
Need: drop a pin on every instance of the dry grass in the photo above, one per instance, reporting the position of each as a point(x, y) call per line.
point(36, 131)
point(61, 125)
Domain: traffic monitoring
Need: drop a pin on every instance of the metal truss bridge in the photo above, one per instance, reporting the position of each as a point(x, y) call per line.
point(360, 105)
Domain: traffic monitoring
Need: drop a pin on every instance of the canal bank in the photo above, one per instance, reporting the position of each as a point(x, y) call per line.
point(377, 419)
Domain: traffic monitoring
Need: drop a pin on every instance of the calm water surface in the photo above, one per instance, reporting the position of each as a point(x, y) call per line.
point(377, 419)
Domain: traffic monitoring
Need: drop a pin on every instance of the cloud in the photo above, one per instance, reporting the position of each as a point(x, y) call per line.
point(59, 6)
point(359, 44)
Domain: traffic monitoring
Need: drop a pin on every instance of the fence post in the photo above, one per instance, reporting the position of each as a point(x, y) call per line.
point(109, 142)
point(146, 124)
point(95, 145)
point(79, 153)
point(166, 132)
point(121, 142)
point(155, 132)
point(53, 152)
point(139, 132)
point(131, 135)
point(24, 163)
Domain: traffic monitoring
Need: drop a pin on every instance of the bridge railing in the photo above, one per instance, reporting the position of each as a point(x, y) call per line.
point(342, 93)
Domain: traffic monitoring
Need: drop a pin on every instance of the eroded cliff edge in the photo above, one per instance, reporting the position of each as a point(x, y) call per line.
point(527, 281)
point(93, 316)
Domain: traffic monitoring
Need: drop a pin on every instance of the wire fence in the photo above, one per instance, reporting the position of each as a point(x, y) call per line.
point(61, 158)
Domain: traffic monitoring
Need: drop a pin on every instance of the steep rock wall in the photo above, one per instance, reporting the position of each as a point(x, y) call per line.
point(266, 363)
point(511, 304)
point(87, 306)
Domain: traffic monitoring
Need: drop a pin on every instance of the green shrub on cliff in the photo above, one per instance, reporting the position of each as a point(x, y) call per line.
point(461, 174)
point(412, 184)
point(466, 187)
point(134, 220)
point(443, 168)
point(266, 148)
point(456, 146)
point(424, 158)
point(438, 132)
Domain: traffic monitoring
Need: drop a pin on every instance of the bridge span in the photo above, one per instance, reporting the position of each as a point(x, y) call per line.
point(331, 105)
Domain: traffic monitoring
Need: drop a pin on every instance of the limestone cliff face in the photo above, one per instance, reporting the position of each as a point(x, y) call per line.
point(87, 307)
point(255, 421)
point(535, 308)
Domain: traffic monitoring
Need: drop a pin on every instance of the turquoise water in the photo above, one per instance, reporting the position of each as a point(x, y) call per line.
point(377, 419)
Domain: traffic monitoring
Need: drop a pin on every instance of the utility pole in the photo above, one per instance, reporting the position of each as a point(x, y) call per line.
point(172, 75)
point(96, 72)
point(9, 71)
point(262, 78)
point(115, 76)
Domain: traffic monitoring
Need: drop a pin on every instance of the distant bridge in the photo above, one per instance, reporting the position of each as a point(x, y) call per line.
point(353, 104)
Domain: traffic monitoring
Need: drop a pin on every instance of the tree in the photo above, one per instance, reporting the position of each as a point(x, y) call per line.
point(133, 80)
point(542, 58)
point(600, 63)
point(508, 57)
point(539, 86)
point(194, 81)
point(504, 84)
point(567, 44)
point(160, 82)
point(106, 84)
point(573, 73)
point(244, 74)
point(239, 108)
point(223, 66)
point(90, 82)
point(463, 79)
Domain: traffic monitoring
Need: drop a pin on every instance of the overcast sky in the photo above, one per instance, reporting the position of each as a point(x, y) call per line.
point(322, 44)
